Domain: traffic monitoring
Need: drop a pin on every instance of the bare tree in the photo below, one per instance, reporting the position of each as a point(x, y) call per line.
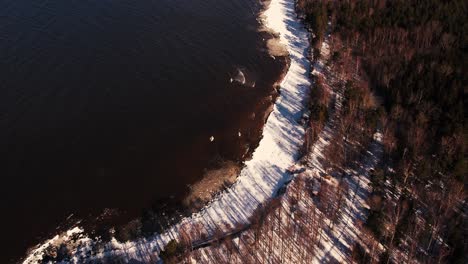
point(394, 214)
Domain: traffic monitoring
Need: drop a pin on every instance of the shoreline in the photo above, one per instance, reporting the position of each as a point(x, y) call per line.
point(235, 246)
point(264, 174)
point(225, 222)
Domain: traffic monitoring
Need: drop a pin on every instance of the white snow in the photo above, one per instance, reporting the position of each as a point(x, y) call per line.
point(335, 244)
point(266, 171)
point(280, 245)
point(282, 136)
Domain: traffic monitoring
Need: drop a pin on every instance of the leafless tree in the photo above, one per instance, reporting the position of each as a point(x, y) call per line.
point(394, 214)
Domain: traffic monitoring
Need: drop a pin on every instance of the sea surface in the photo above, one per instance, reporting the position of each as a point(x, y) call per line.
point(113, 104)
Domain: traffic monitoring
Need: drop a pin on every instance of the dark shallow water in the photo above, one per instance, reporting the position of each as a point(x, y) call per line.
point(111, 103)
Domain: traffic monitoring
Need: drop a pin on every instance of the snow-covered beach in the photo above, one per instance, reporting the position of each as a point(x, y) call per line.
point(261, 177)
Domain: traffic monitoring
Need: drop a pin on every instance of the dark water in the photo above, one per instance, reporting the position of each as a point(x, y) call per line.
point(111, 103)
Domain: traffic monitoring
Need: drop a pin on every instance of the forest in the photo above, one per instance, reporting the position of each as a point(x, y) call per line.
point(415, 54)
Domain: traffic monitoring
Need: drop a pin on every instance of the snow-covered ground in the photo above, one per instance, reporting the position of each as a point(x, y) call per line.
point(288, 237)
point(262, 175)
point(316, 241)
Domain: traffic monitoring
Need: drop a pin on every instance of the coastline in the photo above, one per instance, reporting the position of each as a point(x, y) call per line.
point(216, 179)
point(262, 175)
point(264, 238)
